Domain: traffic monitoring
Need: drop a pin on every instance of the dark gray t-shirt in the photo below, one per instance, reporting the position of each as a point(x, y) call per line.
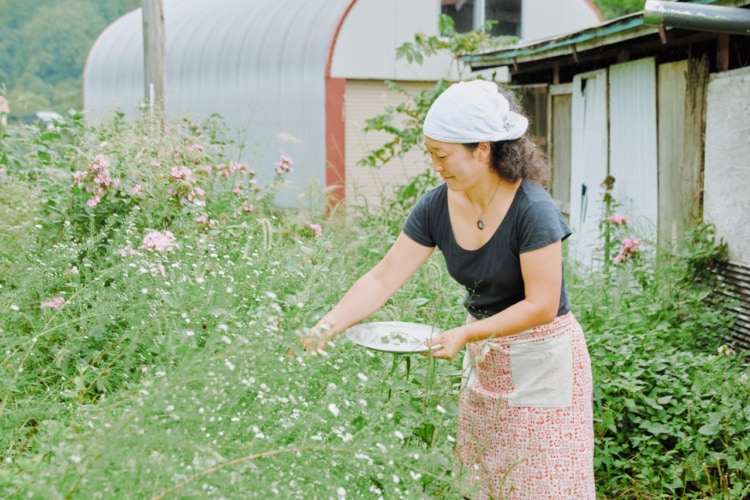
point(491, 274)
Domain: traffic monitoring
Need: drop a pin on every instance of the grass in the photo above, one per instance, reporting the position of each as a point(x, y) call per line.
point(131, 371)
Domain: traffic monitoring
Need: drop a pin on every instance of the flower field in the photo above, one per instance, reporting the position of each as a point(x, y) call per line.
point(152, 297)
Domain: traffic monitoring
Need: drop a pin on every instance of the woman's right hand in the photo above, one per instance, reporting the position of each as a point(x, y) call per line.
point(317, 338)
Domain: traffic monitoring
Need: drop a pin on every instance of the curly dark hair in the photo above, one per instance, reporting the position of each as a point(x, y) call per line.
point(519, 158)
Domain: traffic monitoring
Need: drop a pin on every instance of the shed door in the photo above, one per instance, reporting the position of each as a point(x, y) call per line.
point(559, 137)
point(632, 139)
point(588, 163)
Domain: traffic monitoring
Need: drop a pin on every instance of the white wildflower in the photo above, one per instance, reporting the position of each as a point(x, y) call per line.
point(334, 409)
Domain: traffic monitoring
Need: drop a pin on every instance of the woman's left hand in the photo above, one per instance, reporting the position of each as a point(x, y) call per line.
point(448, 344)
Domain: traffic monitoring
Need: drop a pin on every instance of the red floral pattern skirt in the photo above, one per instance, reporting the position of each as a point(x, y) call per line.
point(525, 422)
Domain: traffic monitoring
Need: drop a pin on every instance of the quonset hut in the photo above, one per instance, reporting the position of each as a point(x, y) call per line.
point(296, 77)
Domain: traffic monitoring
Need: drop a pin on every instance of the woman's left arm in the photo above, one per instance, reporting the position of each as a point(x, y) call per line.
point(542, 277)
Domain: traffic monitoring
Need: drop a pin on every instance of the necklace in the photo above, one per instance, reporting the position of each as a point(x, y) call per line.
point(480, 220)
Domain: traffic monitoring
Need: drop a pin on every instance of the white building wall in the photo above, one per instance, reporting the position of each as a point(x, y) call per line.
point(373, 29)
point(727, 160)
point(369, 185)
point(546, 18)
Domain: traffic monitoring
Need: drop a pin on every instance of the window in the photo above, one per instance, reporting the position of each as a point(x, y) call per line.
point(471, 14)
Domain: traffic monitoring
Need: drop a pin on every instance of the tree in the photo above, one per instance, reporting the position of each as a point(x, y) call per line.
point(44, 45)
point(58, 38)
point(611, 9)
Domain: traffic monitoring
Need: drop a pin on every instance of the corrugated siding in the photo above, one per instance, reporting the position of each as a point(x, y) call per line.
point(367, 99)
point(258, 64)
point(737, 277)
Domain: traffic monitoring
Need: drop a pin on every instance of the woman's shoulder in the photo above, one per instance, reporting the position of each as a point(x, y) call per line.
point(435, 195)
point(533, 192)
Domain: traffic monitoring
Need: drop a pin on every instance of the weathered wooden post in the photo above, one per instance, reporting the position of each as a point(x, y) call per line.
point(154, 55)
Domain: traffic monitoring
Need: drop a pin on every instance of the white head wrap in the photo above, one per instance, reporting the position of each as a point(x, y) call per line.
point(474, 111)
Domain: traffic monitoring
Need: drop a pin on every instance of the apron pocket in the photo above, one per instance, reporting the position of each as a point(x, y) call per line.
point(542, 373)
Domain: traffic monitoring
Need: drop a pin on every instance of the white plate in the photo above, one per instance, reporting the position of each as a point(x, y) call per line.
point(393, 336)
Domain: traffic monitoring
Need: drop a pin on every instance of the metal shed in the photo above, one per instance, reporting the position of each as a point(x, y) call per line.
point(260, 65)
point(292, 76)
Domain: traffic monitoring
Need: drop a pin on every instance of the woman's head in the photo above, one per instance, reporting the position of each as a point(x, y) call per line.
point(478, 111)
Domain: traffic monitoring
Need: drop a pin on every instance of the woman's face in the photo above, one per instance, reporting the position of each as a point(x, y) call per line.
point(460, 167)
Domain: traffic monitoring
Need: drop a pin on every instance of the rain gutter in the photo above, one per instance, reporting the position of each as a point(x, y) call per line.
point(624, 28)
point(697, 17)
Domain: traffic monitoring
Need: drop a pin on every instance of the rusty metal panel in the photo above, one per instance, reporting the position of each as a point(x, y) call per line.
point(737, 278)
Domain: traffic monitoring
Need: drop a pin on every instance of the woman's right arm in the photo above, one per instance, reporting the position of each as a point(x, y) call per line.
point(370, 291)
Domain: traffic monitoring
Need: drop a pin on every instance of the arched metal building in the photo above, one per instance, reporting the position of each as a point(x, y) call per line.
point(297, 77)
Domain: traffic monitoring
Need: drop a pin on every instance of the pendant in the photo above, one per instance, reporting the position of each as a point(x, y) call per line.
point(480, 223)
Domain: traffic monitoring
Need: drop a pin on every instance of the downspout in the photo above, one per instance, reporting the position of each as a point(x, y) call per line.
point(697, 17)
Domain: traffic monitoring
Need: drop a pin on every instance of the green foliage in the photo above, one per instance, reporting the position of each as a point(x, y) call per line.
point(43, 48)
point(670, 396)
point(610, 9)
point(452, 43)
point(150, 354)
point(404, 121)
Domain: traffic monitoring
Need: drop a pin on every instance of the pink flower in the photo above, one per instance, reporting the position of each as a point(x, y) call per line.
point(156, 241)
point(318, 230)
point(284, 166)
point(93, 201)
point(127, 252)
point(158, 270)
point(617, 220)
point(55, 303)
point(204, 222)
point(725, 350)
point(628, 250)
point(137, 189)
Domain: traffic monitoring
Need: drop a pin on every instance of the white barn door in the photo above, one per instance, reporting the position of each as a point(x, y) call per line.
point(588, 164)
point(633, 143)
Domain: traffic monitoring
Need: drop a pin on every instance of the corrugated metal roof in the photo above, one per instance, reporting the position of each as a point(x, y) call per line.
point(259, 64)
point(615, 31)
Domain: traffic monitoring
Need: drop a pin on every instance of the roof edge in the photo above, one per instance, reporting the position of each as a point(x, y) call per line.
point(613, 31)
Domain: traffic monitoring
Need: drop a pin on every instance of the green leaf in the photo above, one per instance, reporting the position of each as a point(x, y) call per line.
point(709, 429)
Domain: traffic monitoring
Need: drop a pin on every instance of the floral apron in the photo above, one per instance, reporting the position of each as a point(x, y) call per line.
point(525, 424)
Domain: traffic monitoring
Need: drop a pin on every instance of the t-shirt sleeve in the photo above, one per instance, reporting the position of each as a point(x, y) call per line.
point(417, 225)
point(542, 225)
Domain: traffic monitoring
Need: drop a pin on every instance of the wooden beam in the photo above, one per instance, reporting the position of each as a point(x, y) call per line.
point(722, 51)
point(154, 54)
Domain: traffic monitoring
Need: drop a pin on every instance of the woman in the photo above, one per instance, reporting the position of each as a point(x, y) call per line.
point(525, 416)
